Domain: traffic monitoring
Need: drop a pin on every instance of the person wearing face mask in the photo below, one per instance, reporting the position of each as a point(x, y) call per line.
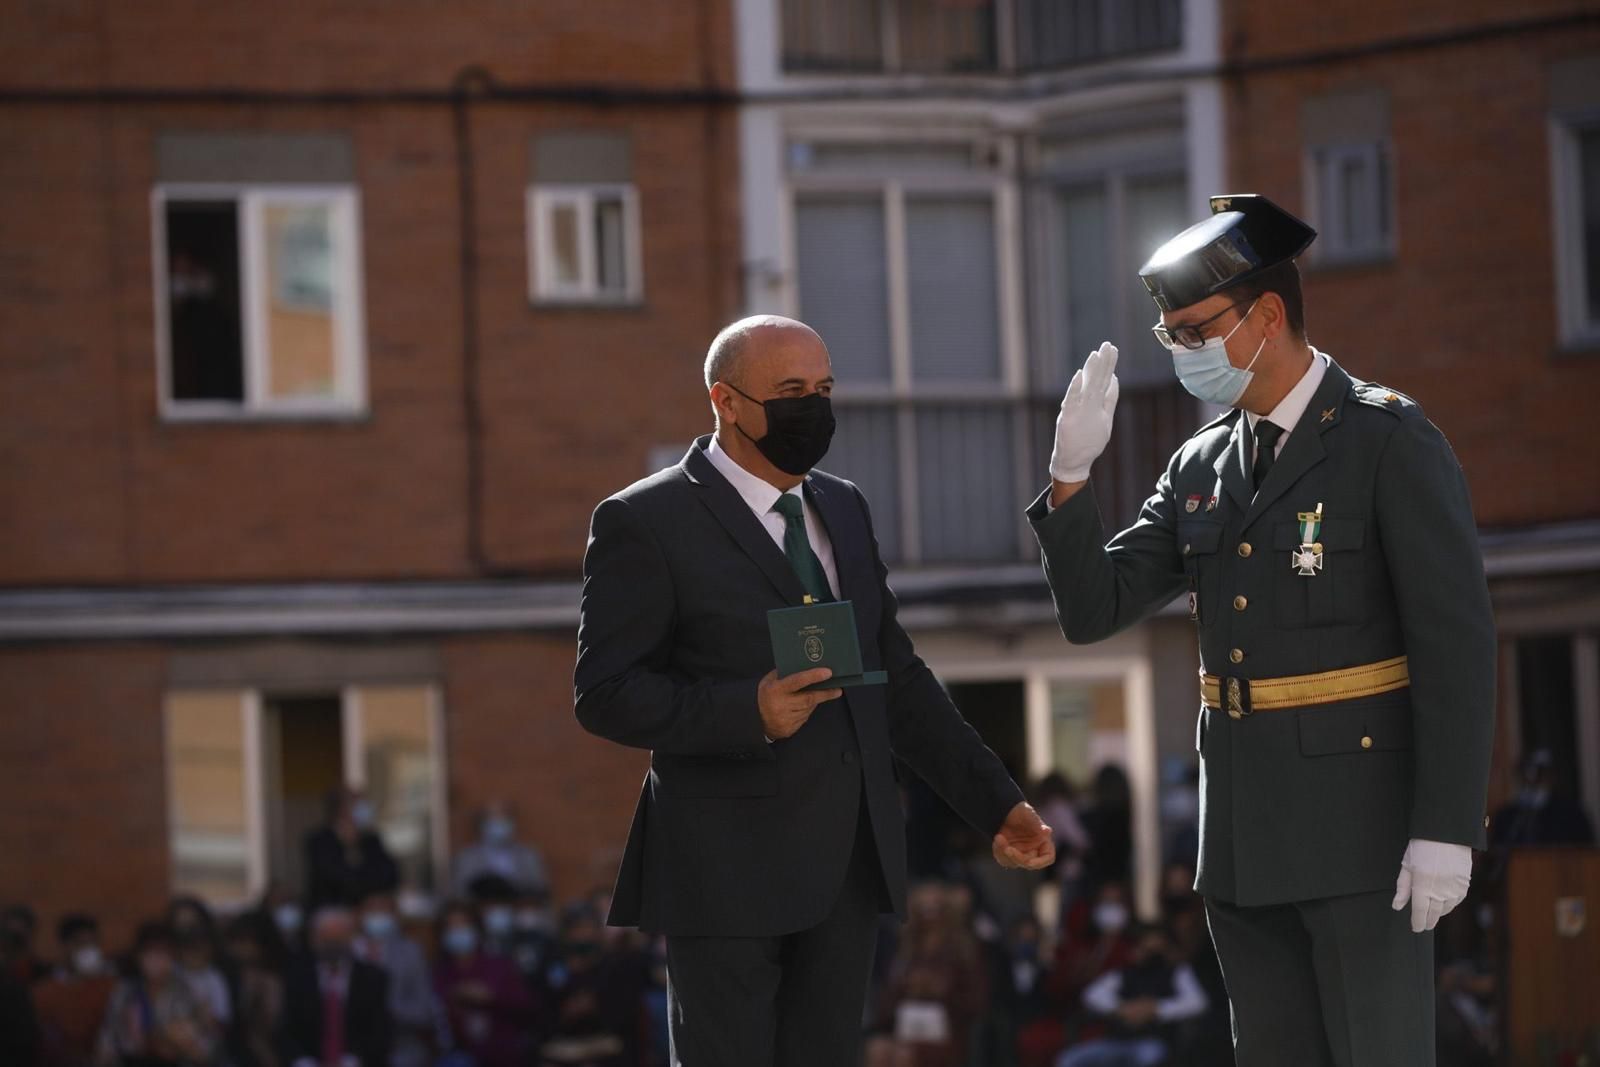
point(489, 1006)
point(1323, 533)
point(382, 943)
point(154, 1018)
point(768, 835)
point(498, 853)
point(346, 858)
point(336, 1011)
point(71, 1004)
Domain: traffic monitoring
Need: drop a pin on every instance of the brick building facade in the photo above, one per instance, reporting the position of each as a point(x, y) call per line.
point(469, 267)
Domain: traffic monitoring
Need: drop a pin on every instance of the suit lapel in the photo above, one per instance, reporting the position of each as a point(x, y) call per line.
point(1304, 448)
point(1233, 466)
point(836, 514)
point(735, 515)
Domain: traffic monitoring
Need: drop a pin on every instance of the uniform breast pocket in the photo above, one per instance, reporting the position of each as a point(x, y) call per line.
point(1330, 595)
point(1197, 544)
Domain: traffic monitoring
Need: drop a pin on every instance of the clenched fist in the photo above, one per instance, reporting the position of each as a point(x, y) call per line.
point(784, 709)
point(1024, 840)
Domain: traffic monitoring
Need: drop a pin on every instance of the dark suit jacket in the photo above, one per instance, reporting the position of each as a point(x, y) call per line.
point(734, 836)
point(1315, 802)
point(368, 1030)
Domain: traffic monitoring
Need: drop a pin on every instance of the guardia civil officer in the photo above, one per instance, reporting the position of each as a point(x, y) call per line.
point(1324, 536)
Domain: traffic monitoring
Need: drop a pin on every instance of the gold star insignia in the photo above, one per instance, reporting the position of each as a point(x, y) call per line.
point(1221, 203)
point(1391, 397)
point(1327, 416)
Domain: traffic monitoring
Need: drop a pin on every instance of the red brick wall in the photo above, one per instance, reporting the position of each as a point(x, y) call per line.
point(1464, 318)
point(96, 488)
point(83, 810)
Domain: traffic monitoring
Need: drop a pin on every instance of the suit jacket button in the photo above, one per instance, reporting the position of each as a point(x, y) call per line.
point(1240, 603)
point(1244, 550)
point(1366, 742)
point(1237, 655)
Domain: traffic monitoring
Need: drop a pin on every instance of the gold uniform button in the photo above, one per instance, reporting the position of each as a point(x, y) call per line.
point(1317, 548)
point(1240, 603)
point(1237, 655)
point(1244, 550)
point(1366, 742)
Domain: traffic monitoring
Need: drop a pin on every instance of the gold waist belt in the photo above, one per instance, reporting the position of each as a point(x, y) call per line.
point(1303, 690)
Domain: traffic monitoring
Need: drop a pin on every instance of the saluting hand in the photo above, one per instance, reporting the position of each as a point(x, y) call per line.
point(1024, 840)
point(1083, 428)
point(784, 709)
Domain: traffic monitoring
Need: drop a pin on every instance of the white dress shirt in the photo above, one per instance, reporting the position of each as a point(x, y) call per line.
point(761, 495)
point(1293, 405)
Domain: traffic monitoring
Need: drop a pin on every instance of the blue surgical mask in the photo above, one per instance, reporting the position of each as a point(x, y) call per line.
point(460, 940)
point(379, 924)
point(1207, 372)
point(498, 831)
point(499, 921)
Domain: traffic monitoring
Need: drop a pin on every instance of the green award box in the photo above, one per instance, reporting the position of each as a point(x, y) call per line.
point(820, 635)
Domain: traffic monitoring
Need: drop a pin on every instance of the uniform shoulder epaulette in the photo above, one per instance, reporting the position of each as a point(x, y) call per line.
point(1381, 396)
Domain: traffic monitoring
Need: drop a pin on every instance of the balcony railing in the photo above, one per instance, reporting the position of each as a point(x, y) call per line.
point(963, 36)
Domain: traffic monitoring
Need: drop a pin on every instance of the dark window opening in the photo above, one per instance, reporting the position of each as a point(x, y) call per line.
point(203, 301)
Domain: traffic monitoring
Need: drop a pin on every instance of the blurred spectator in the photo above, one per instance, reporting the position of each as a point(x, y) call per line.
point(155, 1019)
point(194, 932)
point(498, 852)
point(1057, 802)
point(346, 859)
point(258, 991)
point(19, 1032)
point(597, 1003)
point(1180, 811)
point(496, 900)
point(535, 937)
point(1540, 813)
point(19, 927)
point(937, 987)
point(1094, 942)
point(1110, 828)
point(488, 1004)
point(657, 1050)
point(1018, 973)
point(1469, 1025)
point(286, 938)
point(336, 1007)
point(1142, 1004)
point(1208, 1040)
point(412, 1006)
point(71, 1004)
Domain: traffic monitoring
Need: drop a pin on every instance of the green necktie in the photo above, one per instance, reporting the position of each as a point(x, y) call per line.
point(797, 546)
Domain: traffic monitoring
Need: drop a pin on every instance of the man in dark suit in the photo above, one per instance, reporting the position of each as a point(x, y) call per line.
point(336, 1007)
point(768, 836)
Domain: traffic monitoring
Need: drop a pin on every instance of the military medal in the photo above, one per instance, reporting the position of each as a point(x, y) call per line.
point(1192, 505)
point(1211, 503)
point(1307, 559)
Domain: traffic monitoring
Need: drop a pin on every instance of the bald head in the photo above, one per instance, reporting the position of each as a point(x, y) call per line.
point(742, 341)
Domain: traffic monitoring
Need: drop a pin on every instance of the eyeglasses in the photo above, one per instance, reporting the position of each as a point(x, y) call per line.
point(1188, 336)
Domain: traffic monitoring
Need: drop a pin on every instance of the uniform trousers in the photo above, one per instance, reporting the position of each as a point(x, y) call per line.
point(1336, 982)
point(794, 1000)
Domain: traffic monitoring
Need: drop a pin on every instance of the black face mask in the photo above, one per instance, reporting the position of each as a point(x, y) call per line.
point(799, 430)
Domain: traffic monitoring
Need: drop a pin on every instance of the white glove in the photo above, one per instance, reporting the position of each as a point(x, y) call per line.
point(1434, 876)
point(1084, 425)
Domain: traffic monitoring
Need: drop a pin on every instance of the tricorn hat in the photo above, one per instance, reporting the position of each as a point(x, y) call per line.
point(1245, 235)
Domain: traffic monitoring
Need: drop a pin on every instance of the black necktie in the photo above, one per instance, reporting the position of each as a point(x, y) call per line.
point(1267, 435)
point(797, 546)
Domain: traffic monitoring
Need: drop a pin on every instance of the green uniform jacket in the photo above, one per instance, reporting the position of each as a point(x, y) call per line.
point(1298, 804)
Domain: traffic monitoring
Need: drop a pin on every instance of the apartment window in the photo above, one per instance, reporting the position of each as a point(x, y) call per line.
point(1349, 176)
point(583, 220)
point(259, 300)
point(1575, 172)
point(894, 36)
point(248, 771)
point(1111, 189)
point(1055, 33)
point(1353, 198)
point(907, 275)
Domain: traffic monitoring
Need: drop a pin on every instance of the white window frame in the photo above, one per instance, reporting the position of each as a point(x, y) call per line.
point(543, 286)
point(350, 357)
point(902, 392)
point(1576, 328)
point(1329, 249)
point(257, 865)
